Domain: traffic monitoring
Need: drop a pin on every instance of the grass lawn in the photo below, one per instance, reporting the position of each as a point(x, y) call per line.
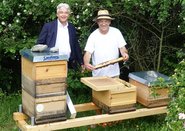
point(9, 104)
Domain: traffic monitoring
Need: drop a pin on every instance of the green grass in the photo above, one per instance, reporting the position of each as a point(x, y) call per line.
point(9, 104)
point(149, 123)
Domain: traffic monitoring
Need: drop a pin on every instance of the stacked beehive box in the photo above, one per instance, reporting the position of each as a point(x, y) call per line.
point(44, 86)
point(145, 82)
point(113, 95)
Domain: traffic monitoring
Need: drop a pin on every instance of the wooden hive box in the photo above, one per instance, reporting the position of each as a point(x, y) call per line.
point(44, 78)
point(43, 73)
point(112, 94)
point(143, 80)
point(45, 109)
point(44, 85)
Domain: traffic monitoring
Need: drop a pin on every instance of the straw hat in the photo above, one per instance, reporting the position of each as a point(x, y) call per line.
point(103, 14)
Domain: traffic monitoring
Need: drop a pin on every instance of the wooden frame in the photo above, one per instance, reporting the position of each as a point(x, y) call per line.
point(101, 83)
point(21, 118)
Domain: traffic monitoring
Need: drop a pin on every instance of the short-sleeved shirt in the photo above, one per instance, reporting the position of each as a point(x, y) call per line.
point(105, 47)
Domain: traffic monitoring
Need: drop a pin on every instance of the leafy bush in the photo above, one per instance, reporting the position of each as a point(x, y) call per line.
point(76, 88)
point(150, 24)
point(176, 109)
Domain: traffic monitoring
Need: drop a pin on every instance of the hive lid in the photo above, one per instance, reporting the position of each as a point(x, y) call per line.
point(148, 77)
point(42, 56)
point(101, 83)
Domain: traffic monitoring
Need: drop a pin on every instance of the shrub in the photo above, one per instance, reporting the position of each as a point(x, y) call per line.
point(76, 88)
point(149, 24)
point(176, 109)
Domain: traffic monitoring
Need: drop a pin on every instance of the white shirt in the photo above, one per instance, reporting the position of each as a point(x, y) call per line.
point(104, 48)
point(62, 40)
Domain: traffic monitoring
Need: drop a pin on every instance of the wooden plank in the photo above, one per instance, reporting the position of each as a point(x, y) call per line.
point(86, 107)
point(17, 116)
point(71, 107)
point(89, 120)
point(101, 83)
point(20, 118)
point(106, 63)
point(22, 125)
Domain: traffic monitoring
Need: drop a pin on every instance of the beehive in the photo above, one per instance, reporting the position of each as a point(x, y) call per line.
point(112, 94)
point(44, 84)
point(143, 81)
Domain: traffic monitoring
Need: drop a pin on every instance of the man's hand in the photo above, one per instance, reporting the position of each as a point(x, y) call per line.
point(125, 56)
point(87, 64)
point(89, 67)
point(124, 53)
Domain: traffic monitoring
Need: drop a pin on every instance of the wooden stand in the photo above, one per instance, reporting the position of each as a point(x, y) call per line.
point(44, 96)
point(21, 118)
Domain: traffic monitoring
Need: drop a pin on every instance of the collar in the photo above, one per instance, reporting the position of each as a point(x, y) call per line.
point(61, 25)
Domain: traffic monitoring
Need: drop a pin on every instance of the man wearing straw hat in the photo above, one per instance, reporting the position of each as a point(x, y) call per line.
point(104, 44)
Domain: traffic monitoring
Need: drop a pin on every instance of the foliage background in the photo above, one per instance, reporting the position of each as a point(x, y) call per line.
point(177, 106)
point(153, 29)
